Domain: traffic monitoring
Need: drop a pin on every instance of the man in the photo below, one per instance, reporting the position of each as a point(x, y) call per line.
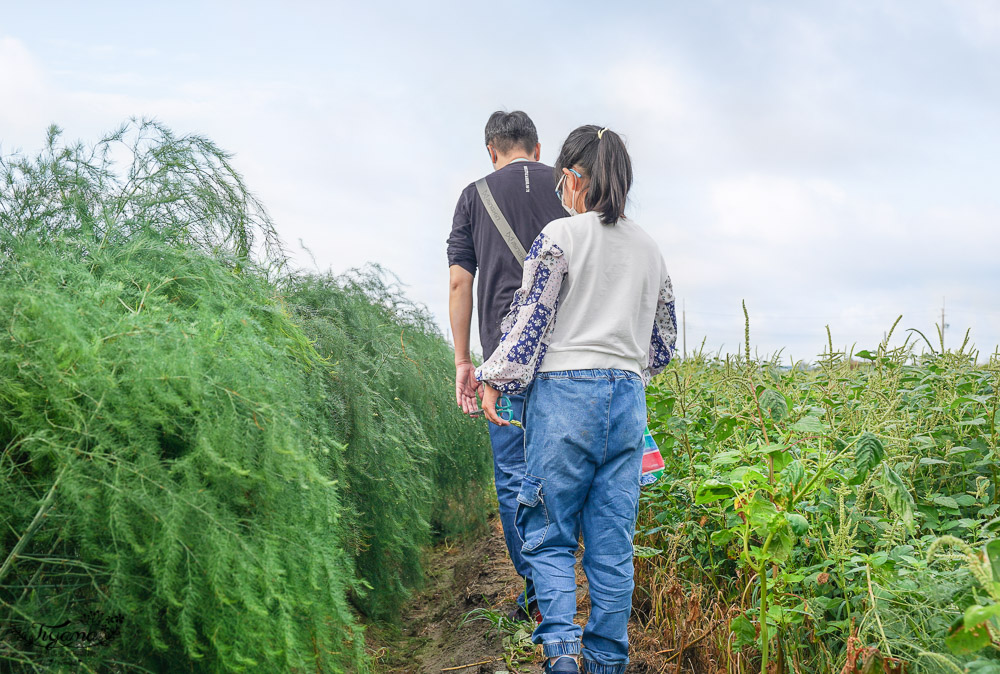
point(524, 191)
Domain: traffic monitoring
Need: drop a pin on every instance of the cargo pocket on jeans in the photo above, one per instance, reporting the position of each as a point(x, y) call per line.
point(531, 518)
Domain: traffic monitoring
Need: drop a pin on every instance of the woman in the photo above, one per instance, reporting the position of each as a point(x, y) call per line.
point(592, 323)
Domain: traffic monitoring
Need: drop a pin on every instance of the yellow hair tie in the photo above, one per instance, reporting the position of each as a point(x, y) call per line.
point(601, 133)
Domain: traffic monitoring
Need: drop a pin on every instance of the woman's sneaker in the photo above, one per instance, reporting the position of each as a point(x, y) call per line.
point(565, 664)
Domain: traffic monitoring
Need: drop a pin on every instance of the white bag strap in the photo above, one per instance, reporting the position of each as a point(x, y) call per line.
point(500, 221)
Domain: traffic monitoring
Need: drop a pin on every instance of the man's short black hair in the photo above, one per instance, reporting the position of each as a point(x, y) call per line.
point(506, 131)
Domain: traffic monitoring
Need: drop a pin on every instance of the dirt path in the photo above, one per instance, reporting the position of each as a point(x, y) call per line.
point(473, 574)
point(461, 578)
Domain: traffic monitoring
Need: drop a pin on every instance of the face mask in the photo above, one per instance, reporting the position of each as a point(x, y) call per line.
point(569, 209)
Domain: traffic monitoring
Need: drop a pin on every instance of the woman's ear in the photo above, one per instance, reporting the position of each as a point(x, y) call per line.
point(572, 182)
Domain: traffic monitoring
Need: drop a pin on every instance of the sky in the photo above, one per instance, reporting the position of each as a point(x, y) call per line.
point(830, 164)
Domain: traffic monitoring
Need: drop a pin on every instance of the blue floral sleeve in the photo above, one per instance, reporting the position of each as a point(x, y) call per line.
point(529, 322)
point(664, 336)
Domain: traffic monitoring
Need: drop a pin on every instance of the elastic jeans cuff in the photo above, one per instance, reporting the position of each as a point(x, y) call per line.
point(556, 648)
point(591, 667)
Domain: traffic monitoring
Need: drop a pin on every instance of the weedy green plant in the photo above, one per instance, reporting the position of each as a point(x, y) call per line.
point(977, 627)
point(807, 498)
point(515, 635)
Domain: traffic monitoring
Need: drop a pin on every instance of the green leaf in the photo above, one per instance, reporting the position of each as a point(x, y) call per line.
point(798, 523)
point(976, 615)
point(901, 551)
point(992, 552)
point(782, 542)
point(712, 490)
point(898, 496)
point(980, 666)
point(982, 400)
point(774, 404)
point(727, 458)
point(747, 475)
point(868, 453)
point(878, 559)
point(864, 353)
point(946, 501)
point(744, 632)
point(724, 428)
point(962, 640)
point(965, 500)
point(761, 513)
point(793, 474)
point(808, 424)
point(778, 453)
point(644, 552)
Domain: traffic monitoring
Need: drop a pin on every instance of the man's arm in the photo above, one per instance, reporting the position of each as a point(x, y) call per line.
point(460, 314)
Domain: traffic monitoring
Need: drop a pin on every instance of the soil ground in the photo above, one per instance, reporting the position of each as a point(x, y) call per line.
point(462, 577)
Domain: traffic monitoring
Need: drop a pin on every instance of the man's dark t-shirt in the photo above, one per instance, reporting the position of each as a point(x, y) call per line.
point(525, 193)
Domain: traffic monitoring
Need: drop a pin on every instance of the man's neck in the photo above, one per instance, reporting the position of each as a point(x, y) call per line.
point(503, 161)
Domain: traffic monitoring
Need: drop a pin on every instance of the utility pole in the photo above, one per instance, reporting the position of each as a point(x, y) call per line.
point(943, 324)
point(684, 331)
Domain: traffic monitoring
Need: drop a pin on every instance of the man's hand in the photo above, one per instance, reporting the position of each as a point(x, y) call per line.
point(460, 313)
point(467, 388)
point(490, 397)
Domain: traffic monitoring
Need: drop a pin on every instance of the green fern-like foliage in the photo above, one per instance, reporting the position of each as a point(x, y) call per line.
point(415, 466)
point(180, 410)
point(204, 460)
point(139, 178)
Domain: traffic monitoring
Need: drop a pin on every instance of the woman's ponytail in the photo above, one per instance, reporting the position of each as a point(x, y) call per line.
point(602, 156)
point(610, 178)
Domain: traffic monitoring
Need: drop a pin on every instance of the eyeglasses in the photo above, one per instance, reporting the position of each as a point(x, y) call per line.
point(561, 179)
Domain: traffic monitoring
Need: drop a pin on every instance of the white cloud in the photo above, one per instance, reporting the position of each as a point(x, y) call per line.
point(26, 95)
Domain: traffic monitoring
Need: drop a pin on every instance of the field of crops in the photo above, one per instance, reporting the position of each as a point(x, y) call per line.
point(838, 517)
point(207, 462)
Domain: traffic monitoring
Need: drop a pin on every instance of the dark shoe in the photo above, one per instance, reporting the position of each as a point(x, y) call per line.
point(564, 665)
point(518, 614)
point(531, 615)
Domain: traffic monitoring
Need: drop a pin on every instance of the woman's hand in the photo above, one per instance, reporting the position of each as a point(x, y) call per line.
point(490, 397)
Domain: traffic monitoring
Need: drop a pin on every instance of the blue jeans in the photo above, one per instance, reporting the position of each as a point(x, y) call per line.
point(508, 471)
point(583, 450)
